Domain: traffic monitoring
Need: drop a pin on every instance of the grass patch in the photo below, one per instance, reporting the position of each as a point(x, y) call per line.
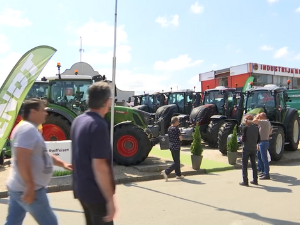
point(60, 173)
point(209, 165)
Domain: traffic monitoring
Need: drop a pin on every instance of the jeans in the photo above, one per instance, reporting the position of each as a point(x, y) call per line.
point(94, 213)
point(262, 157)
point(39, 209)
point(245, 157)
point(176, 165)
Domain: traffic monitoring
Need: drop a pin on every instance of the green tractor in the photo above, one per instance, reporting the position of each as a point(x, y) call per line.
point(272, 100)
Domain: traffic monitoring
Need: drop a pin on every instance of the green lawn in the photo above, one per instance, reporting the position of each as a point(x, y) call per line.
point(208, 165)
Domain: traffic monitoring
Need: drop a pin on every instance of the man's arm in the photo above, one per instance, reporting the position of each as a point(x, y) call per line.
point(58, 162)
point(256, 119)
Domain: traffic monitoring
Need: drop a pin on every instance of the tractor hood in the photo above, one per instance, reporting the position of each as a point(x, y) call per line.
point(253, 112)
point(166, 112)
point(203, 113)
point(141, 107)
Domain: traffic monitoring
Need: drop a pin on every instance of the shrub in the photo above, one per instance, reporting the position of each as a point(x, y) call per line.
point(60, 173)
point(196, 147)
point(232, 144)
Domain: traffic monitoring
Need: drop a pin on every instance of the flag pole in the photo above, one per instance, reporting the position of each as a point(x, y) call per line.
point(112, 110)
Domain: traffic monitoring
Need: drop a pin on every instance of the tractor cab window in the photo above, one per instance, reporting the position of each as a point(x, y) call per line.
point(147, 100)
point(215, 97)
point(38, 90)
point(261, 99)
point(70, 94)
point(178, 99)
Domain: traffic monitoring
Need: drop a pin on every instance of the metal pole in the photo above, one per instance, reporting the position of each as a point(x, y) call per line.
point(112, 109)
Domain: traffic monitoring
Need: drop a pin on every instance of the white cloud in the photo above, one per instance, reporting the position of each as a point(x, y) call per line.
point(298, 10)
point(272, 1)
point(7, 63)
point(197, 8)
point(297, 57)
point(194, 82)
point(14, 18)
point(95, 57)
point(282, 53)
point(238, 50)
point(139, 82)
point(266, 48)
point(181, 62)
point(96, 34)
point(164, 22)
point(4, 46)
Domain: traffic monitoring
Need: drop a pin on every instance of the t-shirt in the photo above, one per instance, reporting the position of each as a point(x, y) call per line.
point(90, 140)
point(264, 129)
point(174, 133)
point(40, 127)
point(26, 135)
point(250, 137)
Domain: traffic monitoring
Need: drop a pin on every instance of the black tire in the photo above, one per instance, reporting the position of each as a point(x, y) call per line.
point(2, 158)
point(275, 151)
point(293, 133)
point(137, 137)
point(225, 130)
point(212, 132)
point(60, 122)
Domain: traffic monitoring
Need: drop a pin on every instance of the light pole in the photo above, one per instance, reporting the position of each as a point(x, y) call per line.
point(112, 108)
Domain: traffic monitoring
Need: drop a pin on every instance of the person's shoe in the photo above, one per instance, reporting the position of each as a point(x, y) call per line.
point(164, 175)
point(244, 184)
point(265, 177)
point(261, 175)
point(180, 177)
point(254, 182)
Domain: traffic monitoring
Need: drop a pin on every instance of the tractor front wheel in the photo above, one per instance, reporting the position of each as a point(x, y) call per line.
point(293, 133)
point(212, 132)
point(225, 130)
point(276, 143)
point(56, 128)
point(131, 145)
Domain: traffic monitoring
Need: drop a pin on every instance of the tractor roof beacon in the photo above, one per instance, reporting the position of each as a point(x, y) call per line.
point(272, 100)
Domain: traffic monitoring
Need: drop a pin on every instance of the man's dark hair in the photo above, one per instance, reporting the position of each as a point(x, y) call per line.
point(99, 93)
point(32, 103)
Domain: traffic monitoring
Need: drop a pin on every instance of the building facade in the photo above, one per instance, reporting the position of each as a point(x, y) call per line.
point(263, 74)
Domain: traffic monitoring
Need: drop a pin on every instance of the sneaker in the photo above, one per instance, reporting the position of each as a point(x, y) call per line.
point(265, 177)
point(244, 184)
point(254, 182)
point(261, 175)
point(164, 175)
point(180, 177)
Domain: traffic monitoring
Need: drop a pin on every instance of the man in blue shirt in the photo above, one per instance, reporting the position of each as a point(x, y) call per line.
point(93, 179)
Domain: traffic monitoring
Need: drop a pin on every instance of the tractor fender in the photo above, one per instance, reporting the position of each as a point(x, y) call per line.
point(218, 117)
point(122, 123)
point(231, 120)
point(289, 113)
point(279, 125)
point(60, 112)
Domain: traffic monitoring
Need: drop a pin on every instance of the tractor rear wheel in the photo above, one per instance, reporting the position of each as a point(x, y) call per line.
point(293, 133)
point(276, 143)
point(212, 132)
point(56, 128)
point(131, 145)
point(225, 130)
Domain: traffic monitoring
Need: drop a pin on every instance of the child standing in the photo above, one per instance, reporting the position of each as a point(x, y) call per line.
point(174, 140)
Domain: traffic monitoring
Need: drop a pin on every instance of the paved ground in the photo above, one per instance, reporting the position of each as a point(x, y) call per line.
point(203, 199)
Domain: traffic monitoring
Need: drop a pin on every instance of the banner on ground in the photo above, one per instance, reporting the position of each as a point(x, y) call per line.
point(17, 84)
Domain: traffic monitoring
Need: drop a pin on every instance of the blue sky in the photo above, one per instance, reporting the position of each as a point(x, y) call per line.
point(161, 44)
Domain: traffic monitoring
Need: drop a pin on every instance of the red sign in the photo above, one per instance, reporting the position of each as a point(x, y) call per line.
point(280, 69)
point(69, 91)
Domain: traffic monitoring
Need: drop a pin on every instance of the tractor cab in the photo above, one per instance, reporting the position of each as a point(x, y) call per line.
point(38, 90)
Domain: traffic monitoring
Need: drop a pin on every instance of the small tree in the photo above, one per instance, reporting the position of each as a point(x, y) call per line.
point(196, 147)
point(232, 144)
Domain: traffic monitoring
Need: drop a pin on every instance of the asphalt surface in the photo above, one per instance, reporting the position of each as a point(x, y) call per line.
point(202, 199)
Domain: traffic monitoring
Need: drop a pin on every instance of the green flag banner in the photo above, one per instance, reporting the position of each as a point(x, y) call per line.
point(247, 85)
point(17, 84)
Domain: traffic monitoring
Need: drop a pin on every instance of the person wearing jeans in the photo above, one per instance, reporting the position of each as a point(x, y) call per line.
point(265, 129)
point(32, 168)
point(174, 139)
